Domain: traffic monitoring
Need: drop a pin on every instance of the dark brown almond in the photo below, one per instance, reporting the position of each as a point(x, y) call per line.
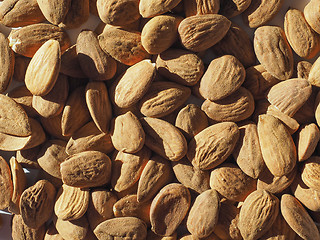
point(6, 62)
point(53, 127)
point(20, 67)
point(70, 64)
point(28, 158)
point(6, 184)
point(77, 14)
point(232, 8)
point(20, 231)
point(303, 69)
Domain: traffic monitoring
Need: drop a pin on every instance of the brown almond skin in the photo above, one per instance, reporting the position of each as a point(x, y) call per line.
point(20, 67)
point(43, 69)
point(155, 175)
point(36, 203)
point(73, 230)
point(7, 63)
point(19, 13)
point(199, 33)
point(152, 236)
point(232, 8)
point(164, 139)
point(54, 11)
point(70, 64)
point(303, 40)
point(257, 214)
point(290, 95)
point(201, 7)
point(127, 123)
point(123, 45)
point(95, 63)
point(303, 69)
point(309, 174)
point(180, 66)
point(151, 8)
point(271, 46)
point(307, 139)
point(261, 12)
point(20, 231)
point(86, 169)
point(223, 77)
point(100, 206)
point(160, 33)
point(7, 185)
point(234, 108)
point(52, 233)
point(121, 228)
point(298, 218)
point(27, 40)
point(28, 158)
point(231, 182)
point(163, 98)
point(53, 127)
point(118, 13)
point(213, 145)
point(247, 152)
point(169, 208)
point(277, 146)
point(97, 99)
point(204, 213)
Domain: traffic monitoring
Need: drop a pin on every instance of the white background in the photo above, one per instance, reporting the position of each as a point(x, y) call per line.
point(5, 229)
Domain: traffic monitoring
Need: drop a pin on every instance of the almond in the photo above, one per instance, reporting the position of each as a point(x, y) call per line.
point(7, 185)
point(307, 140)
point(151, 8)
point(7, 63)
point(54, 11)
point(200, 7)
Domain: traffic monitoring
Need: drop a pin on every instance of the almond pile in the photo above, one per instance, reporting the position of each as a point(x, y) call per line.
point(137, 137)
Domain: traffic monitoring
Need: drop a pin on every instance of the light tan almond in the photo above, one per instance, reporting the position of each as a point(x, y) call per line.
point(52, 104)
point(27, 40)
point(95, 63)
point(151, 8)
point(199, 33)
point(20, 231)
point(169, 208)
point(180, 66)
point(277, 146)
point(72, 230)
point(86, 169)
point(303, 69)
point(312, 15)
point(236, 107)
point(100, 206)
point(257, 214)
point(163, 98)
point(261, 12)
point(223, 77)
point(127, 168)
point(6, 62)
point(164, 139)
point(7, 184)
point(127, 134)
point(314, 73)
point(71, 202)
point(213, 145)
point(54, 10)
point(19, 13)
point(52, 233)
point(43, 69)
point(99, 106)
point(77, 14)
point(232, 8)
point(273, 51)
point(200, 7)
point(155, 175)
point(36, 203)
point(89, 138)
point(14, 119)
point(298, 218)
point(204, 213)
point(289, 96)
point(307, 139)
point(70, 64)
point(122, 44)
point(121, 228)
point(309, 174)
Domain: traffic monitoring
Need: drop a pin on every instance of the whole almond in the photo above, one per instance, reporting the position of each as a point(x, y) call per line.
point(303, 40)
point(127, 123)
point(7, 63)
point(99, 106)
point(303, 69)
point(54, 10)
point(155, 175)
point(151, 8)
point(204, 213)
point(213, 145)
point(7, 185)
point(169, 208)
point(95, 63)
point(273, 51)
point(312, 15)
point(277, 146)
point(77, 14)
point(200, 7)
point(121, 228)
point(257, 214)
point(20, 231)
point(86, 169)
point(163, 98)
point(309, 173)
point(290, 95)
point(43, 69)
point(223, 77)
point(298, 218)
point(236, 107)
point(14, 120)
point(180, 66)
point(164, 138)
point(27, 40)
point(36, 203)
point(261, 12)
point(71, 202)
point(72, 230)
point(199, 33)
point(307, 139)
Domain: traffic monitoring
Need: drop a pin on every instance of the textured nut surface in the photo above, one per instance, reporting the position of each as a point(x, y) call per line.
point(7, 61)
point(151, 8)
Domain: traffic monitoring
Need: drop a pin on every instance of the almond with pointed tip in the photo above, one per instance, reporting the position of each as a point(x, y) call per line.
point(54, 10)
point(307, 140)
